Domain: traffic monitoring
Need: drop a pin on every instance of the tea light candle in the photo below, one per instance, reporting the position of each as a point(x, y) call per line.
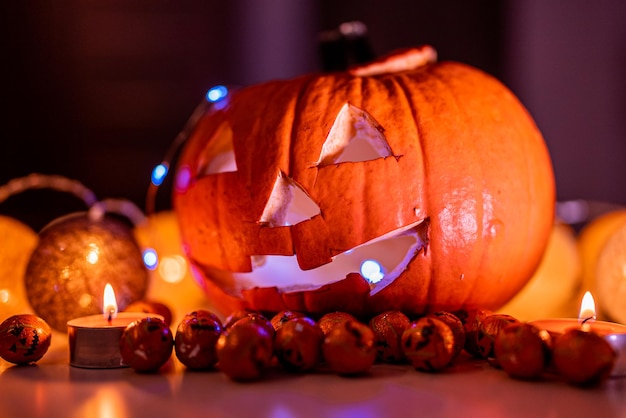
point(613, 333)
point(95, 340)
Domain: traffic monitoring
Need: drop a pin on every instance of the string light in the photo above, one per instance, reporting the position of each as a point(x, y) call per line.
point(158, 173)
point(217, 93)
point(371, 270)
point(163, 253)
point(216, 98)
point(150, 258)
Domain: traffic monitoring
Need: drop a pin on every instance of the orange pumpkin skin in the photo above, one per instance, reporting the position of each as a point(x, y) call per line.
point(467, 159)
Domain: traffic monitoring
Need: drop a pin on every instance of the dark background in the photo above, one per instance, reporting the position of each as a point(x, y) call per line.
point(97, 90)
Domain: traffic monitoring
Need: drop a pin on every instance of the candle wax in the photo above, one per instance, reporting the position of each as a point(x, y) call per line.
point(122, 319)
point(560, 325)
point(95, 342)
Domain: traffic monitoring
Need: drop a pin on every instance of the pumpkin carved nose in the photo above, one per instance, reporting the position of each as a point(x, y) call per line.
point(288, 204)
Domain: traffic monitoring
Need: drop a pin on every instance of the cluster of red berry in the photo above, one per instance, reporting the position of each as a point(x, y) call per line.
point(246, 344)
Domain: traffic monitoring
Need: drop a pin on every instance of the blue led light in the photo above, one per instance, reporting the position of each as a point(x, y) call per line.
point(371, 270)
point(217, 93)
point(183, 179)
point(150, 259)
point(158, 174)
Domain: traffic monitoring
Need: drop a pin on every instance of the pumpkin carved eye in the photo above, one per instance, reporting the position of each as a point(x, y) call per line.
point(355, 136)
point(219, 154)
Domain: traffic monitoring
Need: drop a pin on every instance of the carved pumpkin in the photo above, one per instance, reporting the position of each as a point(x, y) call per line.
point(403, 184)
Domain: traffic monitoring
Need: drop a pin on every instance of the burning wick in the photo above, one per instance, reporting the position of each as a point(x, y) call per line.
point(110, 304)
point(591, 318)
point(587, 310)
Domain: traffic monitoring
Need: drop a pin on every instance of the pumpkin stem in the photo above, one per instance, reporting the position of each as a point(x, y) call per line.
point(403, 60)
point(345, 46)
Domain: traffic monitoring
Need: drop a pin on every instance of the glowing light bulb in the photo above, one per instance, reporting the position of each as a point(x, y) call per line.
point(85, 300)
point(150, 259)
point(183, 179)
point(158, 174)
point(94, 254)
point(217, 93)
point(173, 269)
point(371, 270)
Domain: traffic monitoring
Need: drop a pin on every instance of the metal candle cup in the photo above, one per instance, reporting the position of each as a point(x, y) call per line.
point(613, 333)
point(95, 341)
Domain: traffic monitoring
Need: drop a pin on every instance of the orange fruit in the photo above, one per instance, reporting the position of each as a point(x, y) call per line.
point(610, 275)
point(590, 241)
point(552, 290)
point(17, 242)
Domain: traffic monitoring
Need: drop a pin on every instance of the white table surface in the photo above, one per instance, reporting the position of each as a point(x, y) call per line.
point(470, 388)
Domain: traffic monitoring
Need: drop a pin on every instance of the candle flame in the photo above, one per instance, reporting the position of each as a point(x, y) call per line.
point(110, 304)
point(587, 308)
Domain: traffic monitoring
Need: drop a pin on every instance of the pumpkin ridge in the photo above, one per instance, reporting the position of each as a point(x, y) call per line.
point(407, 94)
point(295, 123)
point(420, 137)
point(362, 179)
point(479, 242)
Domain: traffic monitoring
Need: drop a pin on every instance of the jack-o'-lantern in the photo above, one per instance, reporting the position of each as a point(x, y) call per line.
point(401, 184)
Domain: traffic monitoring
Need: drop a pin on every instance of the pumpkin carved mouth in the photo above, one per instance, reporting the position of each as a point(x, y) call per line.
point(380, 261)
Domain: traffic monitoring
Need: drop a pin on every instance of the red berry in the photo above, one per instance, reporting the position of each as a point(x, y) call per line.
point(349, 348)
point(298, 344)
point(457, 328)
point(195, 340)
point(428, 344)
point(522, 350)
point(245, 351)
point(151, 307)
point(328, 321)
point(471, 320)
point(256, 318)
point(388, 328)
point(24, 338)
point(488, 330)
point(583, 358)
point(146, 344)
point(284, 316)
point(236, 316)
